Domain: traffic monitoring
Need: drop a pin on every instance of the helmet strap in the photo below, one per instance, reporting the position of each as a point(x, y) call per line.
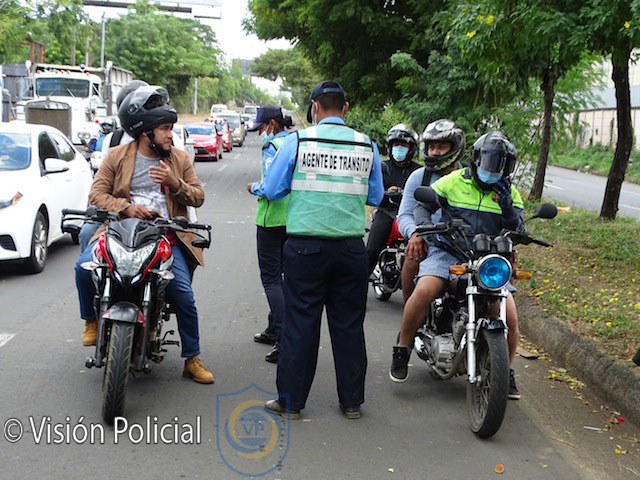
point(155, 147)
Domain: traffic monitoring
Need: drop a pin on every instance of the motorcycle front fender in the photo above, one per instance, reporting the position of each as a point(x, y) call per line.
point(492, 323)
point(126, 312)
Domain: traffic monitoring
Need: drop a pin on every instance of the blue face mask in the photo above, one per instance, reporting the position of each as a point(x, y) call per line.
point(265, 137)
point(488, 177)
point(399, 153)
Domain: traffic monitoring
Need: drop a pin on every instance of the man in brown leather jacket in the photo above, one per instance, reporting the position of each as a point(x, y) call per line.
point(143, 179)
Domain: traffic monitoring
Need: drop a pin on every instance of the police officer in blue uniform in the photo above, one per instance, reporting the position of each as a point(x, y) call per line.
point(330, 172)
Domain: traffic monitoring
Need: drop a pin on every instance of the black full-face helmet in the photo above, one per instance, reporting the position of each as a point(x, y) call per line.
point(402, 133)
point(495, 155)
point(144, 109)
point(128, 88)
point(442, 130)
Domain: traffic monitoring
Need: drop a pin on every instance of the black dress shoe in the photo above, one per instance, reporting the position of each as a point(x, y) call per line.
point(352, 413)
point(274, 406)
point(266, 337)
point(272, 356)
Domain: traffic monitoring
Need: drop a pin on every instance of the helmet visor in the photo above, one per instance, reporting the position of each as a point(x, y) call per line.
point(492, 160)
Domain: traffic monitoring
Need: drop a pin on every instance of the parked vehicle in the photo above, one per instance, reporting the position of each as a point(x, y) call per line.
point(40, 174)
point(224, 133)
point(465, 329)
point(236, 126)
point(131, 267)
point(207, 143)
point(386, 276)
point(181, 134)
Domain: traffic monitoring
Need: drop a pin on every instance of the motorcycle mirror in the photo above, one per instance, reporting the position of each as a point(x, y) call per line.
point(545, 210)
point(426, 195)
point(200, 243)
point(181, 221)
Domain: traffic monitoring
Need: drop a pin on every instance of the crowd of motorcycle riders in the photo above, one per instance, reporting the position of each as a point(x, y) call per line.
point(143, 175)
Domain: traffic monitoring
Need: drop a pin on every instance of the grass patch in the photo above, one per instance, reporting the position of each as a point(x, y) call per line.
point(596, 159)
point(590, 279)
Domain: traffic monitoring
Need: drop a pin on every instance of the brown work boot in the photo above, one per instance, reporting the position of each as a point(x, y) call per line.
point(89, 333)
point(195, 369)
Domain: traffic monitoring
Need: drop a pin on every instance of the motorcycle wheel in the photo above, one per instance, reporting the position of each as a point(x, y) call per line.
point(116, 374)
point(379, 292)
point(487, 399)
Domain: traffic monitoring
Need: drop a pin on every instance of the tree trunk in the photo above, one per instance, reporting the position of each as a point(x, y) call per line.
point(620, 162)
point(548, 88)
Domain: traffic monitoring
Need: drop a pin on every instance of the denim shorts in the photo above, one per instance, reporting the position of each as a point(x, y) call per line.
point(437, 265)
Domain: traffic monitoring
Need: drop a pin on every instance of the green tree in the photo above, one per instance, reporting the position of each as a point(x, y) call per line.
point(612, 28)
point(13, 30)
point(520, 41)
point(162, 49)
point(293, 67)
point(349, 41)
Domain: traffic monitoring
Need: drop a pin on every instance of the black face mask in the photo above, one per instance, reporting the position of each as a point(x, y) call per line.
point(157, 148)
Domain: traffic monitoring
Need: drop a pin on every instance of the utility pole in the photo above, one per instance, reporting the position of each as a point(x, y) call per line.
point(73, 46)
point(195, 97)
point(86, 53)
point(102, 44)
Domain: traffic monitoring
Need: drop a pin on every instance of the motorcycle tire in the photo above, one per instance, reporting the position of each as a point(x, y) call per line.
point(116, 374)
point(381, 294)
point(487, 399)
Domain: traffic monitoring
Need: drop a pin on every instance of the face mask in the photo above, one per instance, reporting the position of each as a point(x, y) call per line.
point(488, 177)
point(265, 137)
point(399, 153)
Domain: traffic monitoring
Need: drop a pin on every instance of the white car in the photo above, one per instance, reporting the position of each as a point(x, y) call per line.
point(182, 134)
point(40, 174)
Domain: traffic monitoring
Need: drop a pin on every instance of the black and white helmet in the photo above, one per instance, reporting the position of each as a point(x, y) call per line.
point(144, 109)
point(128, 88)
point(402, 133)
point(442, 130)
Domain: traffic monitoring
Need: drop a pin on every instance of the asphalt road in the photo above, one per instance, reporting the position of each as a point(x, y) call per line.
point(414, 430)
point(587, 191)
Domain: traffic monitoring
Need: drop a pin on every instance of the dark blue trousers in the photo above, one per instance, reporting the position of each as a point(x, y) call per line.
point(322, 273)
point(270, 242)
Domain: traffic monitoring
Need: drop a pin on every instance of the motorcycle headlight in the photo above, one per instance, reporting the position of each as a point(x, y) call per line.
point(127, 263)
point(493, 272)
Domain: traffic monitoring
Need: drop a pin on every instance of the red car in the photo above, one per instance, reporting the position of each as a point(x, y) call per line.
point(224, 132)
point(206, 140)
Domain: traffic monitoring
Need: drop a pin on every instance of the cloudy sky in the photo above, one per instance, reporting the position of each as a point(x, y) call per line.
point(234, 42)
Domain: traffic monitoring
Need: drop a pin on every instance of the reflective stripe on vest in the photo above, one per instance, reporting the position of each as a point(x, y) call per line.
point(272, 213)
point(330, 182)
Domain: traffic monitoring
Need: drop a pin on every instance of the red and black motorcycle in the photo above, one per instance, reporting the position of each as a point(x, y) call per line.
point(131, 268)
point(386, 276)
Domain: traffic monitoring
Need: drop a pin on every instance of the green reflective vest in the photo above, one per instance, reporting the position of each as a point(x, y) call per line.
point(330, 182)
point(272, 213)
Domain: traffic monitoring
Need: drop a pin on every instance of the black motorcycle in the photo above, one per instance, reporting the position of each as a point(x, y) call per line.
point(386, 276)
point(465, 330)
point(131, 267)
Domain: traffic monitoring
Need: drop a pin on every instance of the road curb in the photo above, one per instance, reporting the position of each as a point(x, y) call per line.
point(615, 381)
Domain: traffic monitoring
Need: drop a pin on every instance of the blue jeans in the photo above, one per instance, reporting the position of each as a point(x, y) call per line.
point(270, 243)
point(179, 293)
point(86, 232)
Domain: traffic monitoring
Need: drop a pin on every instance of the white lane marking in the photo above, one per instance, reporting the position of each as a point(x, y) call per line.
point(222, 168)
point(629, 206)
point(633, 193)
point(5, 337)
point(237, 155)
point(553, 186)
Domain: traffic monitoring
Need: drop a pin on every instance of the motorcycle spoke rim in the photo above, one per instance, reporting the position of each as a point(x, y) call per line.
point(482, 390)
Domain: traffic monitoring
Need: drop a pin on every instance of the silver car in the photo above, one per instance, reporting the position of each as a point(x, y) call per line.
point(236, 125)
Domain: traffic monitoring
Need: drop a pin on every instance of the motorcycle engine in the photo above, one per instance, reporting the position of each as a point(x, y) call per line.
point(442, 350)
